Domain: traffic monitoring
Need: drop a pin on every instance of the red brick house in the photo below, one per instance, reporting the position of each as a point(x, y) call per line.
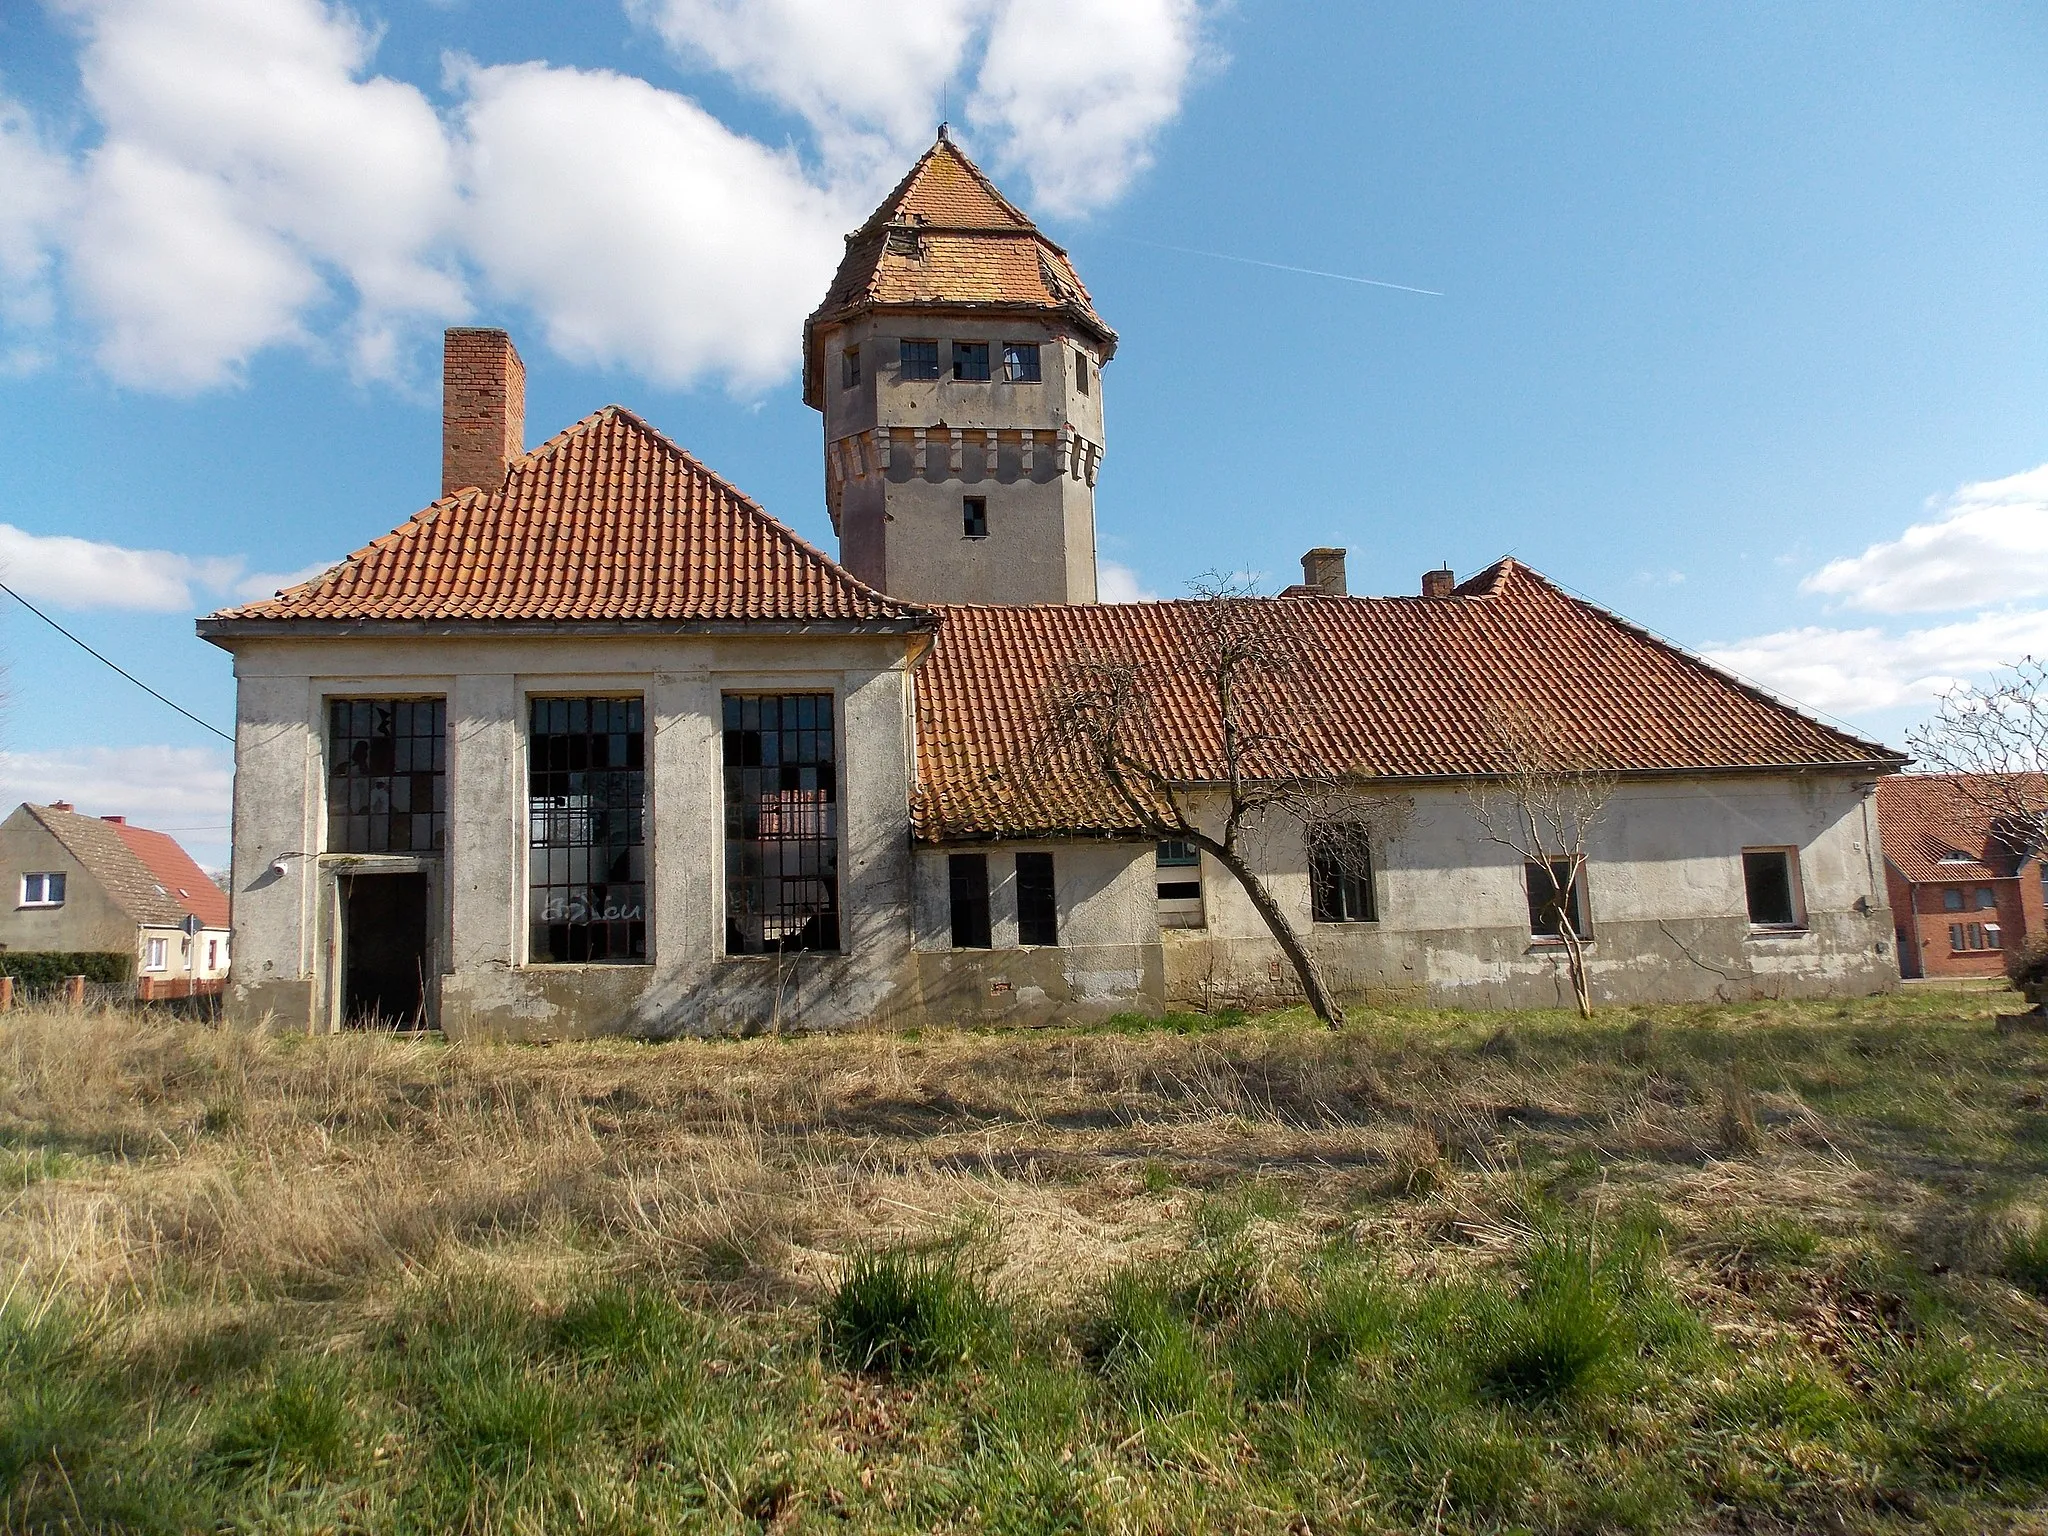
point(1961, 892)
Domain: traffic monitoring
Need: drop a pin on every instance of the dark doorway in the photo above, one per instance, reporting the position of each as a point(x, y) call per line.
point(384, 951)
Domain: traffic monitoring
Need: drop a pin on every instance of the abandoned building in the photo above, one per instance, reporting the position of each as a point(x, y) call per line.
point(88, 885)
point(594, 743)
point(1962, 889)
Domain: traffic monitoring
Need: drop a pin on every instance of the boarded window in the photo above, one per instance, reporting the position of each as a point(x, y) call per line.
point(387, 787)
point(1340, 888)
point(970, 361)
point(1020, 362)
point(1548, 909)
point(587, 861)
point(781, 824)
point(1767, 884)
point(967, 875)
point(974, 516)
point(920, 359)
point(1038, 914)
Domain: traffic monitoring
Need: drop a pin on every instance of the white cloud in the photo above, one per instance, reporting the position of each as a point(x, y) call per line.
point(1988, 544)
point(1078, 89)
point(1862, 671)
point(187, 791)
point(700, 252)
point(69, 572)
point(1116, 583)
point(39, 193)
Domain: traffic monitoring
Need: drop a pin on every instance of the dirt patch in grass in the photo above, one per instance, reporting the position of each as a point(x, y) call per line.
point(1761, 1267)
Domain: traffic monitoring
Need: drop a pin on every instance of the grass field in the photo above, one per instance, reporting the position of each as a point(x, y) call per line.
point(1778, 1267)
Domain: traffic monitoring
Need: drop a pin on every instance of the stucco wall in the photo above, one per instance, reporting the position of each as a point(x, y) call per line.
point(287, 944)
point(88, 920)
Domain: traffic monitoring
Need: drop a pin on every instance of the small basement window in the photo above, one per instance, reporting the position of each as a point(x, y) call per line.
point(849, 368)
point(967, 878)
point(970, 362)
point(1038, 915)
point(919, 359)
point(1771, 886)
point(974, 516)
point(1548, 911)
point(42, 890)
point(1020, 362)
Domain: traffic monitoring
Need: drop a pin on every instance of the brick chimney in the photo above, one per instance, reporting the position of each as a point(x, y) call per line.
point(1439, 583)
point(1323, 569)
point(119, 821)
point(483, 408)
point(60, 805)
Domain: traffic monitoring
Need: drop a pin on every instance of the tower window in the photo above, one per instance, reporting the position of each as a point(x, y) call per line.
point(1038, 914)
point(1081, 372)
point(920, 359)
point(970, 361)
point(1020, 362)
point(974, 516)
point(849, 368)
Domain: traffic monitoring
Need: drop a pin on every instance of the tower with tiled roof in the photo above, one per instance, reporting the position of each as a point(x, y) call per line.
point(957, 360)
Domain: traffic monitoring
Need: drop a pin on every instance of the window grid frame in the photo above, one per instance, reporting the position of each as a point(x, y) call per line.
point(46, 900)
point(912, 363)
point(795, 909)
point(561, 743)
point(1021, 363)
point(1581, 924)
point(356, 785)
point(973, 357)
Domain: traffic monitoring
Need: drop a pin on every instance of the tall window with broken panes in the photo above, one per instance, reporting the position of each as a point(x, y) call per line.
point(587, 832)
point(387, 784)
point(781, 824)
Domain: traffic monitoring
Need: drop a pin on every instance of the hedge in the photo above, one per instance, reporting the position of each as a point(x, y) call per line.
point(37, 969)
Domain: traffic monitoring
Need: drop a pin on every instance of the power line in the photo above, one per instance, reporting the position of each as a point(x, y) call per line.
point(96, 656)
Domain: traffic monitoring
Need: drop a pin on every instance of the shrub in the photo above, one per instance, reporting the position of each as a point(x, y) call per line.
point(2027, 964)
point(39, 970)
point(898, 1312)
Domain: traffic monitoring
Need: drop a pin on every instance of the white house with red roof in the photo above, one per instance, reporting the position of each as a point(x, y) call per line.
point(96, 885)
point(595, 743)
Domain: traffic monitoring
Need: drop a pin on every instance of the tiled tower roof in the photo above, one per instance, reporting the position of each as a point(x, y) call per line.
point(945, 238)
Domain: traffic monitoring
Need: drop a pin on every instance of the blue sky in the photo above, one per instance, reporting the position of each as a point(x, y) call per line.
point(1742, 327)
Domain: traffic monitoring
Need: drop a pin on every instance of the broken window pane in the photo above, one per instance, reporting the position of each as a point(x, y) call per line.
point(387, 787)
point(781, 824)
point(587, 856)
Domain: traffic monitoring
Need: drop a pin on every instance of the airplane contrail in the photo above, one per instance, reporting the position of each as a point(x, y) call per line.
point(1280, 266)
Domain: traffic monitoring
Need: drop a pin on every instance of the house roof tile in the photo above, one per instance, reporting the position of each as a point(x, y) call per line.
point(146, 874)
point(1933, 831)
point(1394, 687)
point(608, 520)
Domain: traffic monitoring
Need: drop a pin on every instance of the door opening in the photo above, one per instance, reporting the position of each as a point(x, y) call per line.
point(384, 951)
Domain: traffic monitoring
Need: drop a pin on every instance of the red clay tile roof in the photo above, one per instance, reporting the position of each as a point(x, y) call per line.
point(972, 248)
point(1398, 687)
point(608, 520)
point(146, 874)
point(1923, 818)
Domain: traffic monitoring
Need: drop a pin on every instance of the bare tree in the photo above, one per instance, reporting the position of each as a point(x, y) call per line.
point(1995, 738)
point(1543, 807)
point(1106, 708)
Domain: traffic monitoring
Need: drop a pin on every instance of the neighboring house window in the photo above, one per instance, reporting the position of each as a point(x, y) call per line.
point(1769, 884)
point(42, 890)
point(1963, 937)
point(1038, 916)
point(213, 954)
point(1987, 899)
point(387, 785)
point(157, 956)
point(920, 359)
point(849, 368)
point(1340, 890)
point(781, 824)
point(974, 516)
point(970, 361)
point(1547, 912)
point(1020, 362)
point(1952, 900)
point(586, 829)
point(1081, 372)
point(1179, 868)
point(967, 875)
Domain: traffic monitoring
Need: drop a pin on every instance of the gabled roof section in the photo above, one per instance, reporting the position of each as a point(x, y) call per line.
point(146, 874)
point(606, 521)
point(1933, 830)
point(945, 238)
point(1400, 688)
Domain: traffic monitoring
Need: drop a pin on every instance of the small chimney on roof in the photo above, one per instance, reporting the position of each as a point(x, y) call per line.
point(1439, 583)
point(483, 408)
point(1323, 569)
point(119, 821)
point(60, 805)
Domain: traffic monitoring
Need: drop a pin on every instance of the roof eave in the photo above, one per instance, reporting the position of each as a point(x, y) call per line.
point(221, 631)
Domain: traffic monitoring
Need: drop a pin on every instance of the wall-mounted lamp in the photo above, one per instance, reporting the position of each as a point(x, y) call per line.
point(277, 865)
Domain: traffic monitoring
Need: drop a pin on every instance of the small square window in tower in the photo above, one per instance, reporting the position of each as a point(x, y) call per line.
point(1038, 914)
point(849, 368)
point(970, 362)
point(974, 516)
point(1020, 362)
point(1081, 372)
point(919, 359)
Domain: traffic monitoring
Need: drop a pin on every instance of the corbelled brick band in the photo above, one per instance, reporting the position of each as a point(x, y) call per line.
point(483, 409)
